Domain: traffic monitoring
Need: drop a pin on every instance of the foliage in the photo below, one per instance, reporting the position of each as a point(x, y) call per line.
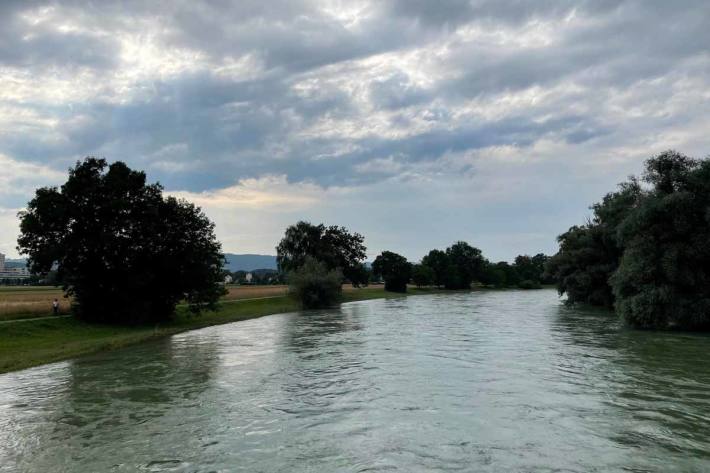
point(314, 285)
point(532, 268)
point(394, 269)
point(457, 267)
point(646, 252)
point(466, 264)
point(438, 261)
point(359, 276)
point(589, 254)
point(124, 252)
point(334, 246)
point(500, 275)
point(527, 272)
point(529, 284)
point(663, 280)
point(422, 275)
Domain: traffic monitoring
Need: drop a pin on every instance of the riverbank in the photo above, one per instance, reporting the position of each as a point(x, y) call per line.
point(30, 343)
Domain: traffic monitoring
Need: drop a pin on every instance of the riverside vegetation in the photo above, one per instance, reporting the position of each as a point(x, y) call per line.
point(143, 265)
point(646, 250)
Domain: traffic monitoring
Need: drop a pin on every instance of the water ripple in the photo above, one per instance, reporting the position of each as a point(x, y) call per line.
point(488, 381)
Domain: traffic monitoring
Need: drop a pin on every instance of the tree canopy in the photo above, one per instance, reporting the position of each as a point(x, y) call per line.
point(394, 269)
point(422, 275)
point(457, 267)
point(467, 265)
point(439, 263)
point(333, 246)
point(127, 254)
point(663, 279)
point(590, 254)
point(646, 251)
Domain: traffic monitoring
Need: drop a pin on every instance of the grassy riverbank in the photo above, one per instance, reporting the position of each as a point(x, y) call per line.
point(34, 342)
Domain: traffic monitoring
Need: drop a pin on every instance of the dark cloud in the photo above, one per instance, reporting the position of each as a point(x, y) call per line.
point(28, 42)
point(303, 105)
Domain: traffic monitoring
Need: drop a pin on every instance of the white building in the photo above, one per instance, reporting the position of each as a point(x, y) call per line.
point(2, 262)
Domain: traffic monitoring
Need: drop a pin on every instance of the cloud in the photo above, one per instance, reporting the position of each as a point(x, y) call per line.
point(285, 105)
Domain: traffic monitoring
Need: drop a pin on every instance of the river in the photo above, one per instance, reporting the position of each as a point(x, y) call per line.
point(483, 381)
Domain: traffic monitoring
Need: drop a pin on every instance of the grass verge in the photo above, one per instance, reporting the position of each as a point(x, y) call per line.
point(32, 343)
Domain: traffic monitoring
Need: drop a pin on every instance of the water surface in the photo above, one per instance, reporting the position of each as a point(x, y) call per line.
point(485, 381)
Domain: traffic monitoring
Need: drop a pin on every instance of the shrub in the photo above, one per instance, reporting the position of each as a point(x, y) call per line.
point(314, 285)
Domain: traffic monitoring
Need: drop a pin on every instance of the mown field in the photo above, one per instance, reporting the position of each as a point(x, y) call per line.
point(26, 343)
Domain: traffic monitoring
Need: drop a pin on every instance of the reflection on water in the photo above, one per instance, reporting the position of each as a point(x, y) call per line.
point(488, 381)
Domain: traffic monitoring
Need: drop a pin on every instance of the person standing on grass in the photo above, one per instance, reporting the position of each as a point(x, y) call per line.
point(55, 307)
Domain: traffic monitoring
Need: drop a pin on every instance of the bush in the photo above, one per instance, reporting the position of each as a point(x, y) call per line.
point(314, 285)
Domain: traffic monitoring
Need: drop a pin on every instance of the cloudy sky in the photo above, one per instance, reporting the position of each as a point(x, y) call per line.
point(413, 122)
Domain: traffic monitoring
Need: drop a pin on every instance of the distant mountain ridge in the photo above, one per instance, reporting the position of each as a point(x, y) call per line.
point(15, 263)
point(249, 262)
point(235, 262)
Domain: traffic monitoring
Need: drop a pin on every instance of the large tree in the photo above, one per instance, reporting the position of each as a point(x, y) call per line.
point(663, 280)
point(333, 246)
point(467, 264)
point(124, 252)
point(439, 263)
point(590, 254)
point(422, 275)
point(394, 269)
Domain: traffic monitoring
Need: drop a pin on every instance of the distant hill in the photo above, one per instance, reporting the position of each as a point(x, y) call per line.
point(234, 262)
point(249, 262)
point(15, 263)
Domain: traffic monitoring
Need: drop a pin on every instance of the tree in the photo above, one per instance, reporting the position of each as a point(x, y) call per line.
point(394, 269)
point(439, 263)
point(500, 275)
point(590, 254)
point(334, 246)
point(466, 265)
point(127, 254)
point(422, 275)
point(663, 280)
point(314, 285)
point(359, 276)
point(531, 270)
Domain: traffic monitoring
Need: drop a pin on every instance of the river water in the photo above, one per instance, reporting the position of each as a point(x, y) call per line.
point(483, 381)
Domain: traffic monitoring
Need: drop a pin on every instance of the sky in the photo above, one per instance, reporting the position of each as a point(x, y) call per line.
point(415, 123)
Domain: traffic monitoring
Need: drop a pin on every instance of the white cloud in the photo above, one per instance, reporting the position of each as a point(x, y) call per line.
point(411, 122)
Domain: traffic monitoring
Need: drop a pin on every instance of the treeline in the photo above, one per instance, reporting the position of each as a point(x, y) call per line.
point(646, 250)
point(256, 277)
point(317, 259)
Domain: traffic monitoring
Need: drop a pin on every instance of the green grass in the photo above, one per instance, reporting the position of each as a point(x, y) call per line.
point(32, 343)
